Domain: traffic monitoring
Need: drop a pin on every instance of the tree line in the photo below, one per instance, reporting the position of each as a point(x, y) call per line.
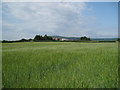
point(37, 38)
point(40, 38)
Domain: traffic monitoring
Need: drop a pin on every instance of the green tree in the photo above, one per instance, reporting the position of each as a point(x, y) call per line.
point(85, 38)
point(37, 38)
point(45, 37)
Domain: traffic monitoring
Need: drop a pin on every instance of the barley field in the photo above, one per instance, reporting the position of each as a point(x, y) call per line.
point(59, 65)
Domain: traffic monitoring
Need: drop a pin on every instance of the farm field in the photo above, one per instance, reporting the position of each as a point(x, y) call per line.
point(60, 65)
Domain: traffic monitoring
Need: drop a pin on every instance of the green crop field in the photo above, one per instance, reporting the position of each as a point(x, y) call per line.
point(60, 65)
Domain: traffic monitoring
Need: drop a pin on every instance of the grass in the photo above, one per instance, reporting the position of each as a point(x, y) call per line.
point(60, 65)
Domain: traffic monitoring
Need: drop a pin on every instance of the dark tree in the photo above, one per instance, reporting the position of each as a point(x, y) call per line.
point(23, 40)
point(37, 38)
point(30, 39)
point(118, 39)
point(42, 38)
point(85, 38)
point(50, 38)
point(46, 37)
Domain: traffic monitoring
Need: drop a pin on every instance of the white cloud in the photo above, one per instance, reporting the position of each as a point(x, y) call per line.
point(42, 17)
point(28, 19)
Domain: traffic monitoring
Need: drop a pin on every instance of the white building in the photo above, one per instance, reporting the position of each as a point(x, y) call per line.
point(64, 39)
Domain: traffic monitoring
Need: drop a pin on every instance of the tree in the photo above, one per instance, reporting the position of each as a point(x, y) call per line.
point(30, 39)
point(37, 38)
point(85, 38)
point(23, 40)
point(46, 37)
point(50, 38)
point(118, 39)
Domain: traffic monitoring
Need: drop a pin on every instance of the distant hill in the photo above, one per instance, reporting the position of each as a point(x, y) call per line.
point(104, 39)
point(95, 39)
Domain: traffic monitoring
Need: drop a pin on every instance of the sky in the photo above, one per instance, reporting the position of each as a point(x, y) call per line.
point(91, 19)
